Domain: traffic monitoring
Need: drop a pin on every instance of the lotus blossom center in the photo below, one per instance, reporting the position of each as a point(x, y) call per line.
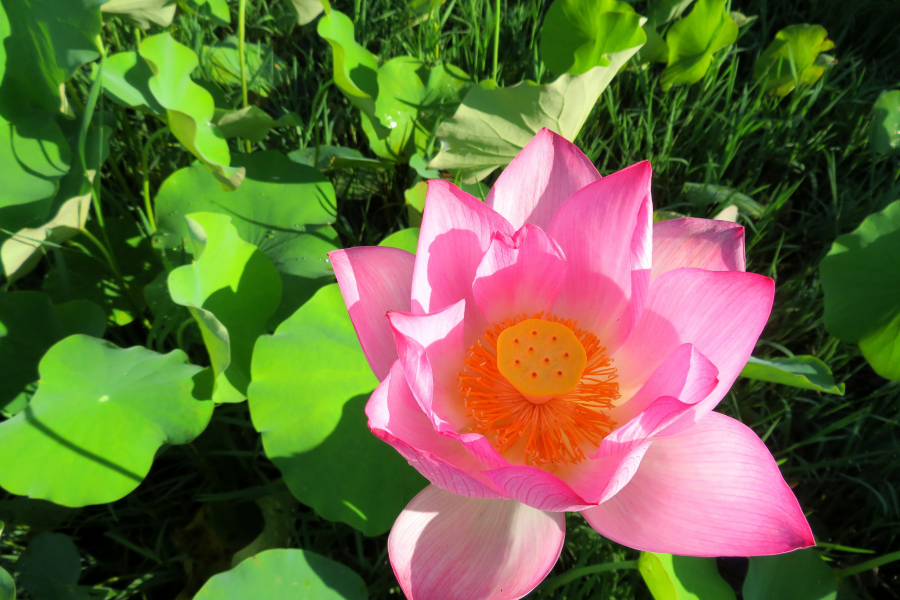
point(541, 359)
point(540, 386)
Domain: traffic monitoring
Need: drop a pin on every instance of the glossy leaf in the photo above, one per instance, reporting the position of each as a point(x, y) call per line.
point(405, 239)
point(189, 107)
point(577, 35)
point(90, 433)
point(306, 10)
point(29, 326)
point(282, 208)
point(702, 195)
point(264, 70)
point(861, 279)
point(806, 372)
point(286, 574)
point(336, 158)
point(126, 81)
point(694, 39)
point(231, 289)
point(793, 58)
point(884, 136)
point(799, 575)
point(142, 13)
point(310, 385)
point(494, 123)
point(355, 68)
point(671, 577)
point(410, 99)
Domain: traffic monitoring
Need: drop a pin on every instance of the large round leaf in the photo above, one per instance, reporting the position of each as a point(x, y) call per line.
point(793, 58)
point(861, 277)
point(50, 567)
point(99, 416)
point(798, 575)
point(694, 39)
point(671, 577)
point(286, 575)
point(29, 326)
point(232, 290)
point(307, 398)
point(283, 208)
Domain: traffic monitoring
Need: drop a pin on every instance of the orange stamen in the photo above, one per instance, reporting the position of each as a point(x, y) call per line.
point(554, 430)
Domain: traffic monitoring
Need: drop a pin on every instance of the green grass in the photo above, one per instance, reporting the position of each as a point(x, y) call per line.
point(804, 157)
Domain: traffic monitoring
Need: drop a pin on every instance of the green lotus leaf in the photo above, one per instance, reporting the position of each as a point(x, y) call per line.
point(694, 39)
point(286, 575)
point(100, 413)
point(215, 10)
point(126, 81)
point(798, 575)
point(884, 136)
point(702, 195)
point(493, 124)
point(355, 68)
point(411, 98)
point(671, 577)
point(405, 239)
point(661, 12)
point(793, 58)
point(189, 107)
point(7, 586)
point(50, 568)
point(306, 10)
point(307, 399)
point(577, 35)
point(231, 289)
point(142, 13)
point(336, 158)
point(861, 279)
point(48, 41)
point(806, 372)
point(656, 49)
point(415, 202)
point(282, 208)
point(264, 70)
point(29, 326)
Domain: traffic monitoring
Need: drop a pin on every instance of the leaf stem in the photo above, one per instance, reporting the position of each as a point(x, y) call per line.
point(145, 173)
point(569, 576)
point(869, 564)
point(242, 26)
point(496, 37)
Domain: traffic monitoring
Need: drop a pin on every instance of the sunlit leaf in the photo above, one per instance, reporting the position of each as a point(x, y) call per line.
point(694, 39)
point(189, 107)
point(742, 20)
point(405, 239)
point(702, 195)
point(142, 13)
point(282, 208)
point(791, 58)
point(806, 372)
point(656, 49)
point(264, 70)
point(663, 11)
point(126, 80)
point(231, 289)
point(415, 202)
point(410, 99)
point(493, 124)
point(286, 575)
point(861, 278)
point(307, 398)
point(577, 35)
point(90, 433)
point(798, 575)
point(884, 136)
point(217, 10)
point(306, 10)
point(671, 577)
point(336, 158)
point(29, 326)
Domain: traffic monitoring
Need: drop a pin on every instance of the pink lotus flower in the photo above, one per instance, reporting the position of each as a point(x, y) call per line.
point(551, 350)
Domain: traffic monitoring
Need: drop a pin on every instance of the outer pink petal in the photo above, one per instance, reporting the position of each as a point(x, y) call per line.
point(373, 281)
point(396, 418)
point(721, 313)
point(448, 547)
point(537, 488)
point(456, 232)
point(701, 243)
point(519, 274)
point(600, 478)
point(712, 490)
point(604, 230)
point(539, 179)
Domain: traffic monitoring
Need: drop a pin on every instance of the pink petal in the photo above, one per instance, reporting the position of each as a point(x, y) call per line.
point(396, 418)
point(374, 280)
point(539, 179)
point(700, 243)
point(519, 274)
point(456, 232)
point(711, 490)
point(449, 547)
point(721, 313)
point(601, 477)
point(537, 488)
point(604, 230)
